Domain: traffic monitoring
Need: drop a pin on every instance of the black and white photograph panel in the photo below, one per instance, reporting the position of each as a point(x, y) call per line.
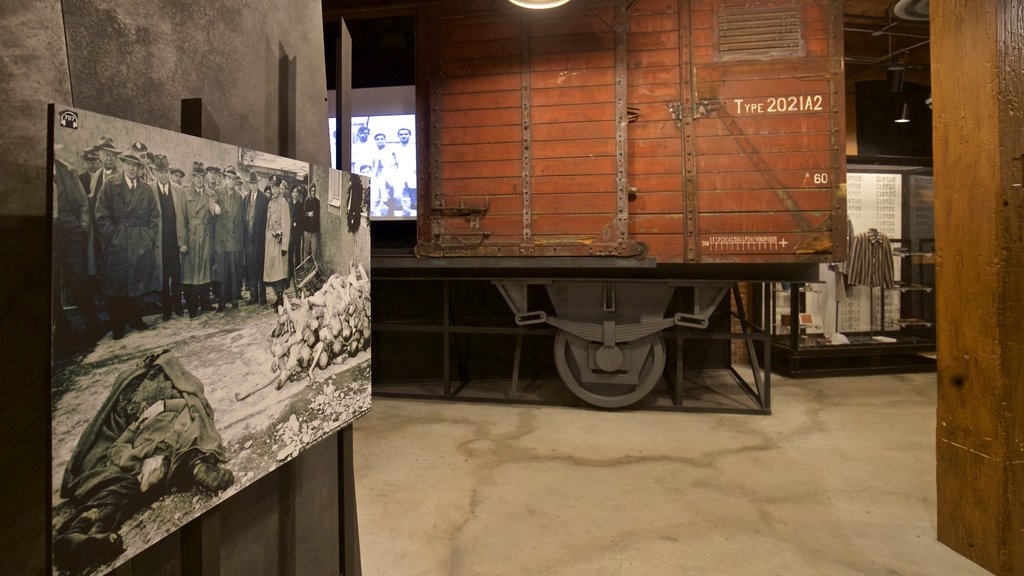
point(211, 320)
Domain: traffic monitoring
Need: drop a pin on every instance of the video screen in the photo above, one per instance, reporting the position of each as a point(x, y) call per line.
point(384, 148)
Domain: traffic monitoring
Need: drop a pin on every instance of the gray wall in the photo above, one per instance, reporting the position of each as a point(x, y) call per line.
point(259, 68)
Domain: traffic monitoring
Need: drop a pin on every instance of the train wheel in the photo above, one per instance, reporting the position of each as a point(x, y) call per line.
point(611, 389)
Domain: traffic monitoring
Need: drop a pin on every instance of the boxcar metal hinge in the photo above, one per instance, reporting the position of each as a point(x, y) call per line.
point(676, 110)
point(472, 213)
point(632, 113)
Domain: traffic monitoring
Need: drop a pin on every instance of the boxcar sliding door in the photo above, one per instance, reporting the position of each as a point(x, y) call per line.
point(769, 156)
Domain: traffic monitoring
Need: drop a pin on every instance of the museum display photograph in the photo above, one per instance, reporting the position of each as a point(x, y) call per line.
point(513, 287)
point(211, 376)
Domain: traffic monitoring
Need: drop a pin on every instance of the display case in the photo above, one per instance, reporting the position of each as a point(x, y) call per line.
point(853, 322)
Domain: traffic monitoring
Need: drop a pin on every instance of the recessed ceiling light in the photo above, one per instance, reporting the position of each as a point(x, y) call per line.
point(539, 4)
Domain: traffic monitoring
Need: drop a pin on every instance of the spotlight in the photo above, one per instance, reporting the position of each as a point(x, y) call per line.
point(894, 77)
point(904, 114)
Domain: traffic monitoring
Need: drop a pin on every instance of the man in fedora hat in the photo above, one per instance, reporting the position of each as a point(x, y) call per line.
point(177, 175)
point(93, 171)
point(142, 151)
point(171, 200)
point(128, 222)
point(254, 233)
point(92, 183)
point(227, 246)
point(195, 242)
point(108, 158)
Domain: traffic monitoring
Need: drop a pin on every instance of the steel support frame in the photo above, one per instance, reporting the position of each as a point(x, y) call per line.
point(753, 331)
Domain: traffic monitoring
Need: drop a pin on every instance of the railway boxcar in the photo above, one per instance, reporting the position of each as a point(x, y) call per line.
point(692, 131)
point(701, 140)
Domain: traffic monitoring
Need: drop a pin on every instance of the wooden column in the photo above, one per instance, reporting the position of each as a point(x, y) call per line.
point(978, 103)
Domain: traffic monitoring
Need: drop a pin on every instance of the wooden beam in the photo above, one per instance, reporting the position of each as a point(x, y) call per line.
point(977, 63)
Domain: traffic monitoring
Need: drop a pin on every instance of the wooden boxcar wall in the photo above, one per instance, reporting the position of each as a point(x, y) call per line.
point(692, 131)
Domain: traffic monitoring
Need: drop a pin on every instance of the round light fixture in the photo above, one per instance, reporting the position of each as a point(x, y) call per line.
point(539, 4)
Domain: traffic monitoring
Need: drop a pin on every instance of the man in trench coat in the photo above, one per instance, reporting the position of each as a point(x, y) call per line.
point(227, 241)
point(195, 239)
point(278, 237)
point(128, 222)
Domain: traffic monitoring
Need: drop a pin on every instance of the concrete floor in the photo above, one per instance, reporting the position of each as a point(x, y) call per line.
point(840, 480)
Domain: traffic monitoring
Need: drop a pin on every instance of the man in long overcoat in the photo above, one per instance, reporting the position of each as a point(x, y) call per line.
point(195, 242)
point(227, 240)
point(92, 183)
point(128, 222)
point(171, 199)
point(71, 224)
point(278, 238)
point(254, 234)
point(311, 225)
point(298, 229)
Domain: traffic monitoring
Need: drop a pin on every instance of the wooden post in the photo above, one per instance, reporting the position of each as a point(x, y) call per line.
point(978, 87)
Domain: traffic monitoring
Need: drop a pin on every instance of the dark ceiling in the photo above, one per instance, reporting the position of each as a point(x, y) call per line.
point(874, 37)
point(384, 44)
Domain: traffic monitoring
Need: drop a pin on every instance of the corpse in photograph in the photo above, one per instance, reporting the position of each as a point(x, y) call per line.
point(211, 320)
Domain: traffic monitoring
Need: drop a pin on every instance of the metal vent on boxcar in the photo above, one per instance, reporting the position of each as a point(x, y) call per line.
point(751, 32)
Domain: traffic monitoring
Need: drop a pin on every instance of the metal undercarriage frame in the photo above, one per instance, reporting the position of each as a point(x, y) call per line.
point(612, 354)
point(609, 349)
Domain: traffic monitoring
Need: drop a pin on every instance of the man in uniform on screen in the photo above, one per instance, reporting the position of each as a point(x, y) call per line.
point(403, 199)
point(362, 149)
point(383, 174)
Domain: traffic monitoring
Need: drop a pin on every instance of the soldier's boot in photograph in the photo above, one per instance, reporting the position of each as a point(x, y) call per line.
point(211, 477)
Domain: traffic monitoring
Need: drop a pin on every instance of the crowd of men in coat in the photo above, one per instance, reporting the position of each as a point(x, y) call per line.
point(129, 226)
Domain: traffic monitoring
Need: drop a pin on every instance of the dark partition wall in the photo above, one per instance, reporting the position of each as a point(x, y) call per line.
point(259, 71)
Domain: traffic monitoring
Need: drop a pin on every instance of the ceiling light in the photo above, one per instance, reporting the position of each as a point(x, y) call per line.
point(539, 4)
point(904, 114)
point(894, 77)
